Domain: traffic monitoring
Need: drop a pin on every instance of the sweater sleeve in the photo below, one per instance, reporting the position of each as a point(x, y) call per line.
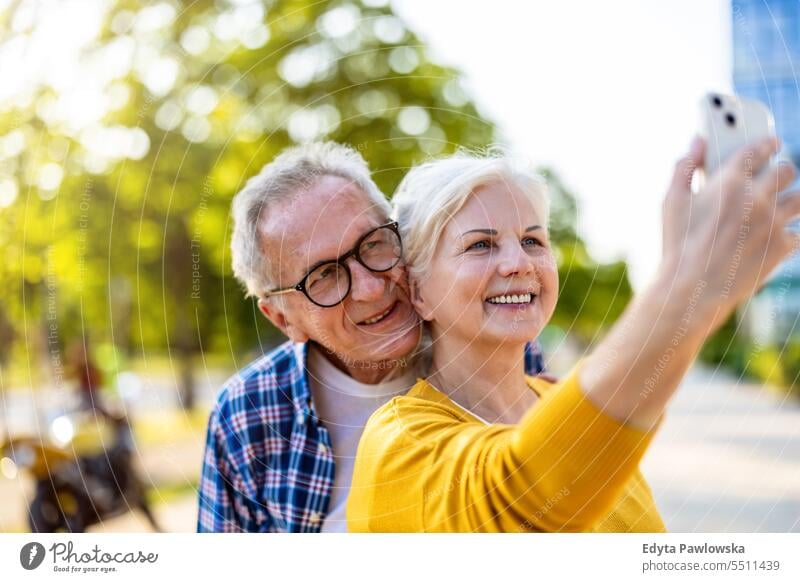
point(562, 468)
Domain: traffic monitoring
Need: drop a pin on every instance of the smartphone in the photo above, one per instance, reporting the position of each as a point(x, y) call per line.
point(729, 123)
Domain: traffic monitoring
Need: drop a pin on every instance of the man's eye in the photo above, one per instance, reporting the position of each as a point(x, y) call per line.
point(479, 246)
point(322, 275)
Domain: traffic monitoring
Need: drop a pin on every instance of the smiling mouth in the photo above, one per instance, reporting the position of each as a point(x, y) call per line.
point(380, 317)
point(512, 299)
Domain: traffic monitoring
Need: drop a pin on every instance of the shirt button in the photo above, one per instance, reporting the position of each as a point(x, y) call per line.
point(315, 518)
point(300, 418)
point(322, 448)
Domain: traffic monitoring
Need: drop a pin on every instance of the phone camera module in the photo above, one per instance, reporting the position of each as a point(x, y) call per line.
point(715, 99)
point(730, 119)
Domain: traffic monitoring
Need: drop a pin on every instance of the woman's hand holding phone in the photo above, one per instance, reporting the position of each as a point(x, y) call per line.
point(720, 244)
point(730, 235)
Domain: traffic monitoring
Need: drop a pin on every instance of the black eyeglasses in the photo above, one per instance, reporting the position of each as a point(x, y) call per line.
point(328, 283)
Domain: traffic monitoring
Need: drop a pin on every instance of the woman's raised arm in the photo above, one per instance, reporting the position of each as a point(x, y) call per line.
point(720, 244)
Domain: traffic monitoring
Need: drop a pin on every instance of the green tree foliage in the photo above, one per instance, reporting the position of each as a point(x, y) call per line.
point(116, 218)
point(775, 361)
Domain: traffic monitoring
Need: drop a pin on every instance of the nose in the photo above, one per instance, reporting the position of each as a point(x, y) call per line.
point(366, 285)
point(515, 261)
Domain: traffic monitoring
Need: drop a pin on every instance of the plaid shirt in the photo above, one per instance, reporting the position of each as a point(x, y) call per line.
point(268, 464)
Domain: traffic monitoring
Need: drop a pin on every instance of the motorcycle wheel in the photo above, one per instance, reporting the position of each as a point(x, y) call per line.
point(44, 516)
point(59, 511)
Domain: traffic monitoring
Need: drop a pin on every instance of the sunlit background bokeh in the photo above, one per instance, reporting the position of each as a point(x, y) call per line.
point(127, 127)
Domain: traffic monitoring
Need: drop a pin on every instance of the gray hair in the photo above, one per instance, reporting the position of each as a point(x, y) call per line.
point(431, 193)
point(294, 170)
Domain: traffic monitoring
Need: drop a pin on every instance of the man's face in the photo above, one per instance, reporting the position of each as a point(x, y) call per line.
point(319, 224)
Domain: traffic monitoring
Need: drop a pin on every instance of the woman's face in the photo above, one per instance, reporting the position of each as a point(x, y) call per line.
point(493, 277)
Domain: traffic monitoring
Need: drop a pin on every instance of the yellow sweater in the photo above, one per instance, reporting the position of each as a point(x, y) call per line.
point(426, 465)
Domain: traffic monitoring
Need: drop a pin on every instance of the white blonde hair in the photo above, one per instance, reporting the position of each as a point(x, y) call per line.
point(294, 170)
point(433, 192)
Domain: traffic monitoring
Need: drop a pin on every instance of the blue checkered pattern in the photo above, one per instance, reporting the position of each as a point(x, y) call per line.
point(268, 464)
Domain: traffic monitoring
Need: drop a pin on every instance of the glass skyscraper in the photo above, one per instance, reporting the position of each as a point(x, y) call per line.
point(766, 66)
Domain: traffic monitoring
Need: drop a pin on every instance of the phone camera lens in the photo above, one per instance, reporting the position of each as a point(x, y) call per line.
point(715, 99)
point(730, 119)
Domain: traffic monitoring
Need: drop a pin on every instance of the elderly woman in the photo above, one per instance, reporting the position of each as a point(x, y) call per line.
point(480, 446)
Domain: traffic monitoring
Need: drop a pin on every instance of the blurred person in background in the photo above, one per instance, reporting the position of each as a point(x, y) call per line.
point(82, 369)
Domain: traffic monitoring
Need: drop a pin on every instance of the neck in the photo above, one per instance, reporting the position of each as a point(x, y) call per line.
point(367, 372)
point(486, 379)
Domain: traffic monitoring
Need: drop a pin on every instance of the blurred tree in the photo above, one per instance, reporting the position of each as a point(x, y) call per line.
point(117, 171)
point(7, 334)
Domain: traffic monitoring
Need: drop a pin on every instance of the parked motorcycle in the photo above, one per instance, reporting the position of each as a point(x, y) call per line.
point(83, 469)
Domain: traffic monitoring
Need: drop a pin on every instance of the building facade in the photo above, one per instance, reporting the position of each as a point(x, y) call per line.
point(766, 66)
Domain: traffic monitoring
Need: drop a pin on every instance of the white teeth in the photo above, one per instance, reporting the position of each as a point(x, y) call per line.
point(377, 318)
point(524, 298)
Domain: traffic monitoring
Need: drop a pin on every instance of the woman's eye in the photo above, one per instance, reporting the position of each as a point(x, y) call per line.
point(479, 246)
point(529, 242)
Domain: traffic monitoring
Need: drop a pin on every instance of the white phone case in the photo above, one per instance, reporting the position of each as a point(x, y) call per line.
point(729, 123)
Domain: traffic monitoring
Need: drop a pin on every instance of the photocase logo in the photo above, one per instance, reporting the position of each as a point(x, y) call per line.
point(31, 555)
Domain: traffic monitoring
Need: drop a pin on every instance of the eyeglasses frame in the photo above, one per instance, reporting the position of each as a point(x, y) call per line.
point(342, 260)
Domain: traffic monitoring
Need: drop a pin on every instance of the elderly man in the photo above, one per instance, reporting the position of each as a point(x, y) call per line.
point(314, 243)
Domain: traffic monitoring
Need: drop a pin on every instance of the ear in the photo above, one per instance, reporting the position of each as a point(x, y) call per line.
point(274, 311)
point(417, 301)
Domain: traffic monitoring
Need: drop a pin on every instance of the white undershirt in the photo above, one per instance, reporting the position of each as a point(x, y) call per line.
point(344, 405)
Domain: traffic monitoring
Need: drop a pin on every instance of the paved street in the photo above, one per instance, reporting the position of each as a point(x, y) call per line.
point(727, 458)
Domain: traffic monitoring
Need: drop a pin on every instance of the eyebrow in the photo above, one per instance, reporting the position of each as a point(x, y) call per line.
point(324, 261)
point(298, 254)
point(493, 232)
